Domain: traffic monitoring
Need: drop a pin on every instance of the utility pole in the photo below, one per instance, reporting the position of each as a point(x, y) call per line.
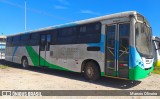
point(25, 14)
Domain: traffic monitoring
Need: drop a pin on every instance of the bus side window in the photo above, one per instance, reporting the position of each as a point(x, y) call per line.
point(83, 29)
point(48, 42)
point(9, 41)
point(25, 39)
point(53, 36)
point(67, 35)
point(89, 33)
point(16, 40)
point(42, 47)
point(34, 39)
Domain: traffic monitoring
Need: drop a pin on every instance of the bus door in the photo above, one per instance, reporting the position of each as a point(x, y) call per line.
point(44, 48)
point(117, 50)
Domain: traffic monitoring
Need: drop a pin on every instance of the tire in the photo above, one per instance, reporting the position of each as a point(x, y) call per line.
point(91, 71)
point(25, 63)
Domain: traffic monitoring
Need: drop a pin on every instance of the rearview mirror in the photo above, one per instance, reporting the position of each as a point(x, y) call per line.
point(142, 27)
point(159, 45)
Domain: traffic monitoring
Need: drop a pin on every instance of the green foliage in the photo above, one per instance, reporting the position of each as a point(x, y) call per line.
point(3, 67)
point(156, 70)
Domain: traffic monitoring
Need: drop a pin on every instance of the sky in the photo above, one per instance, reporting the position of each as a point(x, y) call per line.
point(45, 13)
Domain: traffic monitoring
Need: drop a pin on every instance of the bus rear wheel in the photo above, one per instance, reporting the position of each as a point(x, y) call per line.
point(91, 71)
point(25, 63)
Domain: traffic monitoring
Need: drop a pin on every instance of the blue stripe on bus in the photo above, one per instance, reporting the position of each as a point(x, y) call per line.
point(135, 58)
point(101, 44)
point(14, 52)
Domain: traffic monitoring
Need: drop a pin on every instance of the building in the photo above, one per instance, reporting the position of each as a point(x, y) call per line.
point(2, 46)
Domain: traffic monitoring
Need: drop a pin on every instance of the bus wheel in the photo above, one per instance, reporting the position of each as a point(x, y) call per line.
point(91, 71)
point(25, 63)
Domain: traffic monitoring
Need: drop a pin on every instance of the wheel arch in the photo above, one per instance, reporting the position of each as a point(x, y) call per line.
point(88, 60)
point(23, 58)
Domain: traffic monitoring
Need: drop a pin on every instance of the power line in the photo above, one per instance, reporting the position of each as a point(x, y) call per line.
point(35, 10)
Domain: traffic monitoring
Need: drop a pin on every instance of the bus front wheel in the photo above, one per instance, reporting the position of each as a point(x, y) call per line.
point(91, 71)
point(25, 63)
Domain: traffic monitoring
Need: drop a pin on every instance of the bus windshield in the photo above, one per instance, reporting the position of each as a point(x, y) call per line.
point(144, 40)
point(158, 48)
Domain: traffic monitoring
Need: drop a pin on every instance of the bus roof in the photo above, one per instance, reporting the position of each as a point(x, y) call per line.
point(101, 18)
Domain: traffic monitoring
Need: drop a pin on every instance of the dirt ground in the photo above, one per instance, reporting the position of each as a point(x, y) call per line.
point(16, 78)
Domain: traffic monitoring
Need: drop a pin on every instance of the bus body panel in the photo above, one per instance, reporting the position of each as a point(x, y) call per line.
point(138, 69)
point(71, 62)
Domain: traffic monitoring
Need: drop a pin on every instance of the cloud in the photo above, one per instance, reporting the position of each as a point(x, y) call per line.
point(64, 2)
point(35, 10)
point(11, 3)
point(59, 7)
point(89, 12)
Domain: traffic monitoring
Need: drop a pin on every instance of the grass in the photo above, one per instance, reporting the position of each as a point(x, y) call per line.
point(156, 70)
point(3, 67)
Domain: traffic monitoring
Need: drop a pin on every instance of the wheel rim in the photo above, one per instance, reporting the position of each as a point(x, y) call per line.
point(25, 63)
point(90, 72)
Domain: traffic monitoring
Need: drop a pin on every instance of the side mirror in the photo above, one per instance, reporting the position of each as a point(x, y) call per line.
point(142, 27)
point(159, 45)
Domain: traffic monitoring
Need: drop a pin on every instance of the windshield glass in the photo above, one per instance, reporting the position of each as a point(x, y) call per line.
point(157, 44)
point(143, 40)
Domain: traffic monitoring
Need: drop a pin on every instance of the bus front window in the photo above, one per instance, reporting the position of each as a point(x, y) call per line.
point(158, 47)
point(143, 40)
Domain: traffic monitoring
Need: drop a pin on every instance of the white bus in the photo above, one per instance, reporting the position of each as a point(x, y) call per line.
point(156, 47)
point(2, 46)
point(117, 45)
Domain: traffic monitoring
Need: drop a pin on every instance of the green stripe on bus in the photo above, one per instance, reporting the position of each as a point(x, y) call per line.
point(102, 74)
point(35, 59)
point(33, 55)
point(139, 73)
point(114, 74)
point(134, 73)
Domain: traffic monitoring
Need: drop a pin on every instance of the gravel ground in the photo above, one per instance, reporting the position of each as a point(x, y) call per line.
point(15, 78)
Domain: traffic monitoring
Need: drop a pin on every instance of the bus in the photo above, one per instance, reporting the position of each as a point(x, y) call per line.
point(156, 47)
point(117, 45)
point(2, 46)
